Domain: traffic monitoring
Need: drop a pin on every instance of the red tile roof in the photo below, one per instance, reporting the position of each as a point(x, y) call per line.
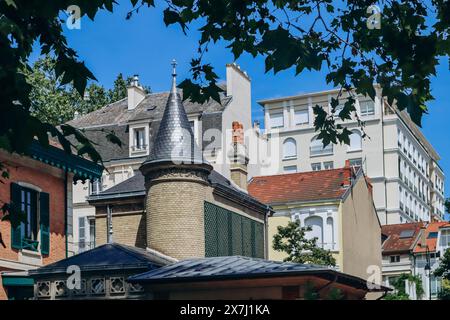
point(395, 244)
point(423, 242)
point(303, 186)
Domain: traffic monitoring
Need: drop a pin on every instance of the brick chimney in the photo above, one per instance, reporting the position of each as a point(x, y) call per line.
point(135, 93)
point(238, 156)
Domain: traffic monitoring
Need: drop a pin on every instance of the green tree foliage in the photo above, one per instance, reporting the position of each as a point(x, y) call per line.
point(400, 289)
point(291, 240)
point(337, 36)
point(443, 270)
point(54, 103)
point(303, 35)
point(444, 294)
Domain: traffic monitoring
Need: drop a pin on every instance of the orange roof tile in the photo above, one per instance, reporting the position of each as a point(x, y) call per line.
point(304, 186)
point(425, 241)
point(396, 244)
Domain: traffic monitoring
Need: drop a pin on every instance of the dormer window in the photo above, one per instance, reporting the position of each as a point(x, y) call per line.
point(139, 139)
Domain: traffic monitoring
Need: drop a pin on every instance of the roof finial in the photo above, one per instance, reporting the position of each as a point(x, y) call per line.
point(174, 76)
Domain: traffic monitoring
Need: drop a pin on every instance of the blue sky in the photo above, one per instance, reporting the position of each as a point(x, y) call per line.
point(144, 45)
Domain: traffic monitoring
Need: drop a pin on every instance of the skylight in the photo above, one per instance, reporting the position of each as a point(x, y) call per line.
point(406, 234)
point(432, 235)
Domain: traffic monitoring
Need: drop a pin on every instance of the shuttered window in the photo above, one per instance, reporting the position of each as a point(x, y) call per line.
point(33, 229)
point(228, 233)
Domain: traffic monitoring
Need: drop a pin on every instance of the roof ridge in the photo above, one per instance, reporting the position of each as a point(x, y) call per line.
point(297, 173)
point(125, 248)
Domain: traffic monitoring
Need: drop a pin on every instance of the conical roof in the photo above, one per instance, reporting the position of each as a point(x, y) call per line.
point(175, 141)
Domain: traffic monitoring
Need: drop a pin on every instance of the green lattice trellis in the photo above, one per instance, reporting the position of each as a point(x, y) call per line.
point(228, 233)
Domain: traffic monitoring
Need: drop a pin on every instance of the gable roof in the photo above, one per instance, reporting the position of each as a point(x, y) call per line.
point(152, 107)
point(398, 242)
point(425, 241)
point(303, 186)
point(239, 267)
point(110, 256)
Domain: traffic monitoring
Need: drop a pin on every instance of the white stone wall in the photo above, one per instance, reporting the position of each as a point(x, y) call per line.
point(380, 154)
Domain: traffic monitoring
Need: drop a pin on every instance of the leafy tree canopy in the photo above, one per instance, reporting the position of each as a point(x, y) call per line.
point(54, 103)
point(443, 270)
point(401, 55)
point(292, 240)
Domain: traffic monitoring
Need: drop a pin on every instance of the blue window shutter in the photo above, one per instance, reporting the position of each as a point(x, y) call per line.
point(16, 226)
point(44, 216)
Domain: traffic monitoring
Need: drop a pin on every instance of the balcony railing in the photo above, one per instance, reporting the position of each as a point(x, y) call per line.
point(139, 148)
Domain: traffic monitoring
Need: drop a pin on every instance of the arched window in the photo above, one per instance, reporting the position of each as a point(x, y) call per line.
point(316, 147)
point(316, 224)
point(355, 141)
point(289, 148)
point(329, 234)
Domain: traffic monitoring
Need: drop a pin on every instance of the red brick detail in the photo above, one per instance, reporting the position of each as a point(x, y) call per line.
point(39, 176)
point(238, 132)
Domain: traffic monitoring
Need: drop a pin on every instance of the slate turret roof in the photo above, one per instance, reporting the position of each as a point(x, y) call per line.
point(175, 140)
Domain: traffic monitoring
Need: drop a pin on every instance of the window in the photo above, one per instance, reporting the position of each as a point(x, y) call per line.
point(290, 169)
point(33, 233)
point(432, 235)
point(316, 166)
point(96, 186)
point(317, 148)
point(445, 238)
point(355, 162)
point(316, 225)
point(367, 108)
point(92, 233)
point(301, 116)
point(276, 120)
point(81, 234)
point(355, 141)
point(289, 149)
point(394, 259)
point(139, 139)
point(404, 234)
point(328, 165)
point(338, 110)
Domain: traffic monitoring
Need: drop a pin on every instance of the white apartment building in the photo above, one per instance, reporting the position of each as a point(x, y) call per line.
point(135, 120)
point(402, 165)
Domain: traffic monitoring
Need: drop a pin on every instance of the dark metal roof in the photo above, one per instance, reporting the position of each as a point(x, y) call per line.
point(175, 140)
point(111, 256)
point(239, 267)
point(135, 186)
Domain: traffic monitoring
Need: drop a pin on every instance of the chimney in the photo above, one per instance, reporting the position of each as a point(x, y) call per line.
point(348, 174)
point(238, 156)
point(236, 79)
point(135, 93)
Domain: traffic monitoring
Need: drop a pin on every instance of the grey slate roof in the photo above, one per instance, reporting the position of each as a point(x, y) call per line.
point(239, 267)
point(135, 186)
point(117, 117)
point(112, 256)
point(175, 141)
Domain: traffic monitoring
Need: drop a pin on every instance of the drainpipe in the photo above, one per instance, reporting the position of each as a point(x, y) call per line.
point(109, 231)
point(66, 212)
point(266, 235)
point(384, 161)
